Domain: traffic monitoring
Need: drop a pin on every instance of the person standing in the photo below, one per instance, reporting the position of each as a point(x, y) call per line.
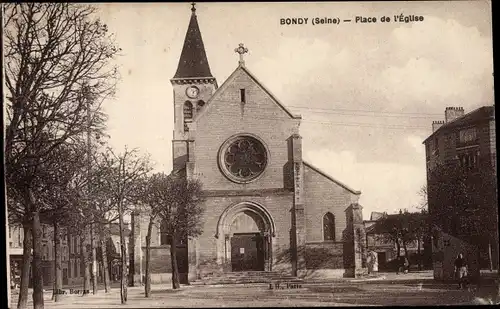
point(461, 271)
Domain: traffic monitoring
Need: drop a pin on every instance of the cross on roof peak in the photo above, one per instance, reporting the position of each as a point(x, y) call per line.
point(241, 49)
point(193, 7)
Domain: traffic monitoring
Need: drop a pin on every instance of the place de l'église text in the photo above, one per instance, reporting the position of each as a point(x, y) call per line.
point(401, 18)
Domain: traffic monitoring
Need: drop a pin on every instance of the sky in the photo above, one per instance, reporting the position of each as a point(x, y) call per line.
point(367, 92)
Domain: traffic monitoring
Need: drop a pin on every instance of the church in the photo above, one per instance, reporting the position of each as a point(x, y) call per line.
point(266, 209)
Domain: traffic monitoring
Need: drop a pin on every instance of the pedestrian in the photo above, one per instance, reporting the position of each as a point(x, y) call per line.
point(406, 265)
point(461, 271)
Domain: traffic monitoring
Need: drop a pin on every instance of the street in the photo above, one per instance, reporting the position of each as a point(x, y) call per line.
point(402, 290)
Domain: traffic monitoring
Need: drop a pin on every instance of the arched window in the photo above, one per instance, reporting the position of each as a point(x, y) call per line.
point(329, 226)
point(188, 110)
point(44, 252)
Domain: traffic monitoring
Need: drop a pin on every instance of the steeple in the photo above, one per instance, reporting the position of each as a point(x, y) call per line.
point(193, 62)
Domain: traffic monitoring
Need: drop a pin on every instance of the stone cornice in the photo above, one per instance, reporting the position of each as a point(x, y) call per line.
point(199, 80)
point(256, 192)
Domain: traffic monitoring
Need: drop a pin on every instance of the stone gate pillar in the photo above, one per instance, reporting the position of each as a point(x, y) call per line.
point(355, 242)
point(135, 245)
point(298, 233)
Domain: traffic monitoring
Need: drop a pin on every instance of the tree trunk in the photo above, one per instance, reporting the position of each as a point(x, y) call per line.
point(398, 248)
point(123, 257)
point(489, 255)
point(147, 284)
point(57, 293)
point(25, 270)
point(94, 259)
point(405, 249)
point(173, 258)
point(104, 237)
point(418, 253)
point(54, 285)
point(37, 260)
point(84, 260)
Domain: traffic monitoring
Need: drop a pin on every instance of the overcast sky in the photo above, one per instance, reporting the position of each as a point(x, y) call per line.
point(367, 92)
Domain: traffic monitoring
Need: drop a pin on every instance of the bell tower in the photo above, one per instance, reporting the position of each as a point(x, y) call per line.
point(193, 84)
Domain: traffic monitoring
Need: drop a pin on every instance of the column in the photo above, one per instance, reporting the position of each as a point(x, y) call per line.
point(298, 213)
point(193, 272)
point(136, 248)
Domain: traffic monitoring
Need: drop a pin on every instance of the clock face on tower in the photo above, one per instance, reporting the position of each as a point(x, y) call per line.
point(192, 92)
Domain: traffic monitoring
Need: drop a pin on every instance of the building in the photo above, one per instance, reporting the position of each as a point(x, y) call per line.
point(461, 154)
point(72, 270)
point(387, 250)
point(266, 209)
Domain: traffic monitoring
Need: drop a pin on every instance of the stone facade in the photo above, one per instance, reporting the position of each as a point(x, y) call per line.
point(467, 142)
point(281, 209)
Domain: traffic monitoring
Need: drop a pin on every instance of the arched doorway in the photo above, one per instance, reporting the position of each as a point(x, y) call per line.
point(246, 231)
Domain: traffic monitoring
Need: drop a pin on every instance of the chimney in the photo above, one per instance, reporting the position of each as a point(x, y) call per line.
point(436, 125)
point(452, 113)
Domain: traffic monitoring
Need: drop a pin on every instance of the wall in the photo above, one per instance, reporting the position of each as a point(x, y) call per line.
point(278, 205)
point(225, 117)
point(323, 195)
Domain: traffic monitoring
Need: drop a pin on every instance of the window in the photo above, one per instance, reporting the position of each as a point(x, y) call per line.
point(70, 241)
point(243, 158)
point(75, 245)
point(75, 269)
point(70, 269)
point(20, 237)
point(44, 252)
point(164, 237)
point(44, 231)
point(242, 96)
point(436, 146)
point(188, 114)
point(82, 269)
point(329, 227)
point(188, 110)
point(467, 136)
point(469, 160)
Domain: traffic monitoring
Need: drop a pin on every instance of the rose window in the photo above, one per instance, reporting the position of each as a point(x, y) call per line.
point(243, 159)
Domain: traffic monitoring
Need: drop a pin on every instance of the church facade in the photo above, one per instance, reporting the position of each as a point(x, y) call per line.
point(266, 209)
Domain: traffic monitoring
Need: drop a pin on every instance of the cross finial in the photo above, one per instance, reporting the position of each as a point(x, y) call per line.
point(241, 49)
point(193, 8)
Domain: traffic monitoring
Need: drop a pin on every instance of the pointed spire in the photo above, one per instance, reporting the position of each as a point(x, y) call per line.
point(193, 61)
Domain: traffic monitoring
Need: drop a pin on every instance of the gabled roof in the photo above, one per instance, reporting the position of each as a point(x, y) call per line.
point(230, 78)
point(193, 61)
point(317, 170)
point(481, 113)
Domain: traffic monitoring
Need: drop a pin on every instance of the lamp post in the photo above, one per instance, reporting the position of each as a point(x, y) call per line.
point(89, 166)
point(8, 259)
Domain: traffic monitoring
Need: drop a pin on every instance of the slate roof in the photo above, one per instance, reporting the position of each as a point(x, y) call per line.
point(317, 170)
point(477, 115)
point(193, 61)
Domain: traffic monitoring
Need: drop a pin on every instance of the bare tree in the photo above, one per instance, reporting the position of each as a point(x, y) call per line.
point(119, 185)
point(52, 52)
point(58, 198)
point(153, 198)
point(180, 212)
point(17, 216)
